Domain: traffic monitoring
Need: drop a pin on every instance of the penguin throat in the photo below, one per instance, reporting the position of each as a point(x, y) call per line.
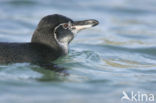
point(64, 48)
point(62, 45)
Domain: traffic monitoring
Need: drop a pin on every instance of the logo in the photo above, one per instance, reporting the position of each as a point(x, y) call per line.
point(137, 96)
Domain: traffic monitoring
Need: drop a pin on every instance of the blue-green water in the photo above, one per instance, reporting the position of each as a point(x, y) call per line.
point(118, 55)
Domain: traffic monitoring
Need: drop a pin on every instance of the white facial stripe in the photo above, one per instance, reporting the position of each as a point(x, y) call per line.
point(58, 26)
point(63, 45)
point(55, 32)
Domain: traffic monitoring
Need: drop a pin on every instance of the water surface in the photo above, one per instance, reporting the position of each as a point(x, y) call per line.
point(118, 55)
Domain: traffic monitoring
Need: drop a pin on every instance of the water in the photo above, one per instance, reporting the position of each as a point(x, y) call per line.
point(118, 55)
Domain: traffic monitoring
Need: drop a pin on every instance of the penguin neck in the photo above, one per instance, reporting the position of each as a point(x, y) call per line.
point(50, 41)
point(61, 48)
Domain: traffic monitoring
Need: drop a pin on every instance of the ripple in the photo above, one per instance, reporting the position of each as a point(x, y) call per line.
point(119, 54)
point(17, 72)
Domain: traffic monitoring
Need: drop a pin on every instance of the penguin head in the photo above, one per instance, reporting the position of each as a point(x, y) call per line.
point(57, 31)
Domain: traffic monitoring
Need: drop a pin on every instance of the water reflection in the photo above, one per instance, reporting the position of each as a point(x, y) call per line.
point(117, 55)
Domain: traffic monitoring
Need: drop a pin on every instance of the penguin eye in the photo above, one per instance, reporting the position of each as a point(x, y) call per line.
point(65, 26)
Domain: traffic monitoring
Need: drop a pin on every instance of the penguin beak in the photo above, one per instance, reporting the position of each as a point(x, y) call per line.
point(80, 25)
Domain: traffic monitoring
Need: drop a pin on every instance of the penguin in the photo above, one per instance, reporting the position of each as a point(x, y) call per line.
point(50, 41)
